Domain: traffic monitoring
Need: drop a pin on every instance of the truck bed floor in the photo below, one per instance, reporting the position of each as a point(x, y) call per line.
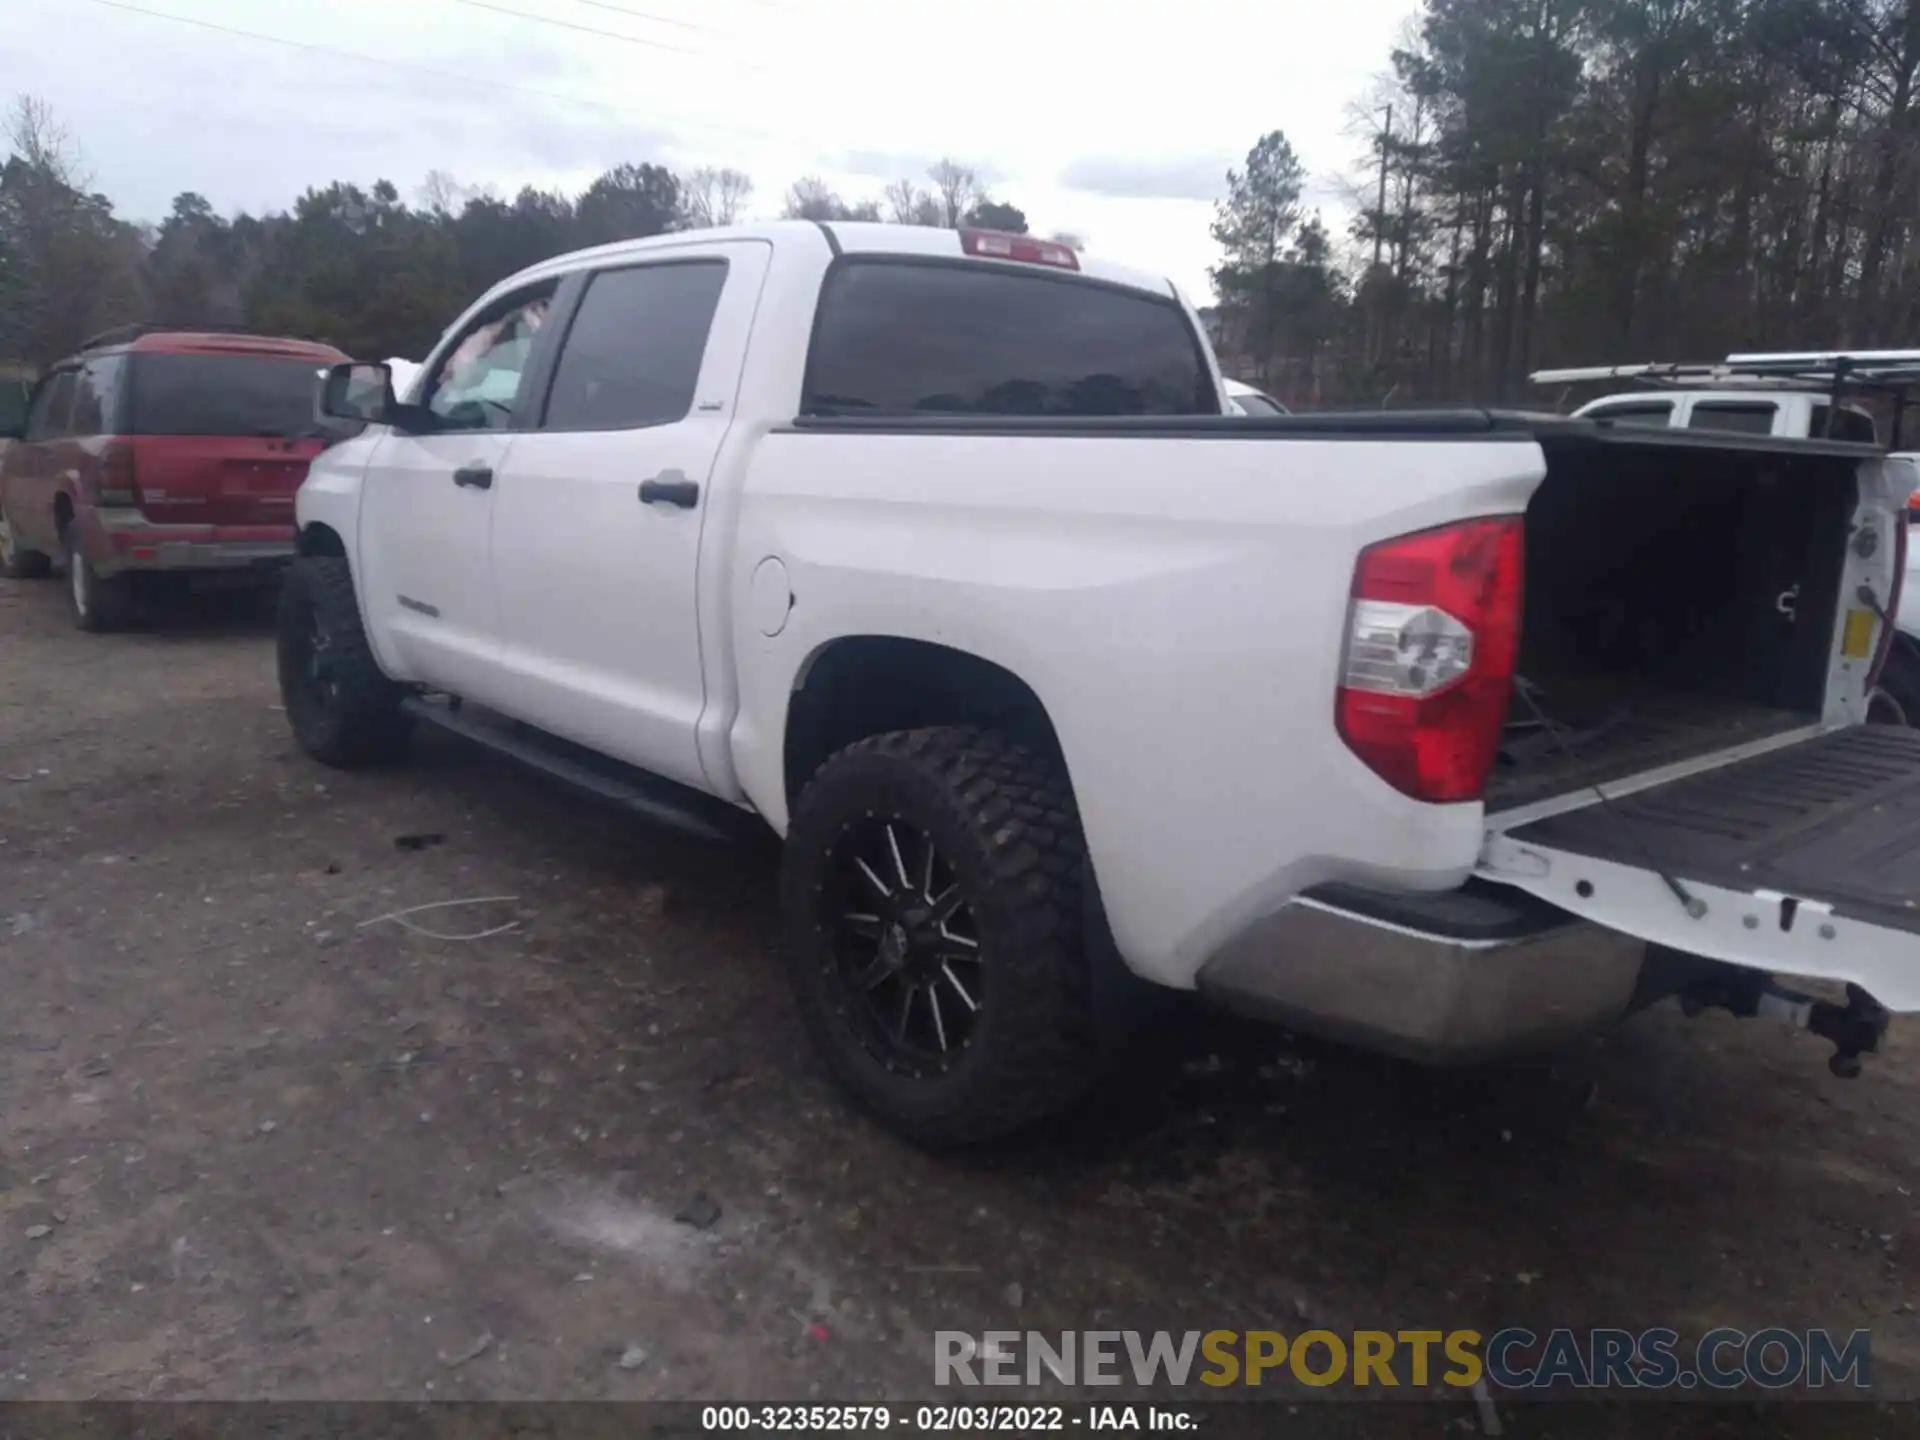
point(1620, 728)
point(1836, 819)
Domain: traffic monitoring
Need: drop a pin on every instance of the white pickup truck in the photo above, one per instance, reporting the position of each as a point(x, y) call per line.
point(937, 552)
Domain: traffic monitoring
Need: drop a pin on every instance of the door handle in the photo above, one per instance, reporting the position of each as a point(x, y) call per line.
point(477, 477)
point(670, 487)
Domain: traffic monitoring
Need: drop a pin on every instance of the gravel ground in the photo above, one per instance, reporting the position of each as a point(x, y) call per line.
point(252, 1145)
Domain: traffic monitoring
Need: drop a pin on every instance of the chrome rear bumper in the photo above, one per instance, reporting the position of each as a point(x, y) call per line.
point(1456, 984)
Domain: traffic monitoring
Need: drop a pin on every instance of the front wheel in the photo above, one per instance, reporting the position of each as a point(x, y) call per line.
point(932, 893)
point(343, 710)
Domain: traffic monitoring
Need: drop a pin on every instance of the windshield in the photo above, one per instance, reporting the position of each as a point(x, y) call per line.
point(229, 395)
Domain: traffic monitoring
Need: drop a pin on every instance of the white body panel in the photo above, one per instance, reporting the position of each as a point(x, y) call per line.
point(1188, 607)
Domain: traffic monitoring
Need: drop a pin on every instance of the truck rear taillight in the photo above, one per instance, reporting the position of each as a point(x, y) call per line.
point(994, 245)
point(119, 486)
point(1433, 634)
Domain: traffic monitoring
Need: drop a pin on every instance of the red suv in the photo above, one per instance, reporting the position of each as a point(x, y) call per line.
point(158, 450)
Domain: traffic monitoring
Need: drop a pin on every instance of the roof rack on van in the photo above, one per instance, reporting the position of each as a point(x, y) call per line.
point(1893, 373)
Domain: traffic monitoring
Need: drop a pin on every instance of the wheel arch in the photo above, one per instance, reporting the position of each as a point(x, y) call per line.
point(319, 538)
point(857, 686)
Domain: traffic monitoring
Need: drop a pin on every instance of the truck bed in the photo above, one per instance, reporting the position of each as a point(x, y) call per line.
point(1607, 728)
point(1835, 819)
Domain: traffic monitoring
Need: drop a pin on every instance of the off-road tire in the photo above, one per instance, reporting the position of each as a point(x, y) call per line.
point(1005, 821)
point(358, 720)
point(1901, 679)
point(17, 563)
point(100, 603)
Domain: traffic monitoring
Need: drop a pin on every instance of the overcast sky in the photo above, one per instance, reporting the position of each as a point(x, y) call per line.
point(1112, 120)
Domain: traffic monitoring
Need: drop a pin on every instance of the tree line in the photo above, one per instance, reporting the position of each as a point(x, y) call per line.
point(1538, 182)
point(1553, 182)
point(361, 268)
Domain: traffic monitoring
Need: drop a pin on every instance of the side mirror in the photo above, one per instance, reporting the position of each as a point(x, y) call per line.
point(14, 397)
point(358, 392)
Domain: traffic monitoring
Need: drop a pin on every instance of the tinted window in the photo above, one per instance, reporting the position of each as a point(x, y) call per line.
point(1259, 405)
point(224, 395)
point(982, 340)
point(633, 351)
point(1746, 419)
point(1848, 425)
point(476, 385)
point(1658, 415)
point(96, 396)
point(52, 405)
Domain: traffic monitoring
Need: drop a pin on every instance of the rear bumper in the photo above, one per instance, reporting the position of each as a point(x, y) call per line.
point(1469, 978)
point(132, 543)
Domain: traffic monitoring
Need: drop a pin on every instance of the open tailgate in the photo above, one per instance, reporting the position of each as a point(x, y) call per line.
point(1803, 861)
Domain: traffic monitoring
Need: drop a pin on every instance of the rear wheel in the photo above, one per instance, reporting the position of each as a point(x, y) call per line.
point(935, 918)
point(1897, 699)
point(18, 562)
point(100, 603)
point(343, 710)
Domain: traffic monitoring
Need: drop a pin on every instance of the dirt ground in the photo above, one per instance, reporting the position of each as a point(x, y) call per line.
point(252, 1145)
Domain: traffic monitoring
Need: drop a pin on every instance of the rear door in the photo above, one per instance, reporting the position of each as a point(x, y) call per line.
point(598, 514)
point(221, 438)
point(33, 473)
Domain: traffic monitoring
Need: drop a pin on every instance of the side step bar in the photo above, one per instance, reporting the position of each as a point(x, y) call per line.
point(649, 796)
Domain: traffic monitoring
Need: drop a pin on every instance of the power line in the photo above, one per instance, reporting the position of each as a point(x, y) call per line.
point(582, 29)
point(467, 82)
point(644, 15)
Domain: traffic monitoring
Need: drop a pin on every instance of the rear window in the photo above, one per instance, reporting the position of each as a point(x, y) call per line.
point(1848, 425)
point(1741, 419)
point(1658, 414)
point(934, 339)
point(227, 395)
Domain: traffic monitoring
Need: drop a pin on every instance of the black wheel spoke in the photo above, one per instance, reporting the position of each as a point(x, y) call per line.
point(966, 995)
point(902, 938)
point(867, 872)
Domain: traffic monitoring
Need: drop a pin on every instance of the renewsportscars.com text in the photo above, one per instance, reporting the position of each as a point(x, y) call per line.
point(1511, 1359)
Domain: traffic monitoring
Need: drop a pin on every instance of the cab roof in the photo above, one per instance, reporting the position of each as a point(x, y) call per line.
point(849, 237)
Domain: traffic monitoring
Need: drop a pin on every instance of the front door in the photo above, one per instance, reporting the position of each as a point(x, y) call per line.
point(427, 508)
point(597, 522)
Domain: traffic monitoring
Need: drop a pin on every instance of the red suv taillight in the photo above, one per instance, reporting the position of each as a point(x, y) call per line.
point(1433, 634)
point(118, 486)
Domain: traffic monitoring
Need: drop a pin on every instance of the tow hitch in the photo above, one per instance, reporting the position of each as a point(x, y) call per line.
point(1855, 1028)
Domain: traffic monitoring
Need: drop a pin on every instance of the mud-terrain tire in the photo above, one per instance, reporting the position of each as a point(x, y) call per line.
point(100, 603)
point(979, 842)
point(343, 710)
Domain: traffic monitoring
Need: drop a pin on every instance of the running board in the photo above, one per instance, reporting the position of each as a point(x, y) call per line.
point(665, 803)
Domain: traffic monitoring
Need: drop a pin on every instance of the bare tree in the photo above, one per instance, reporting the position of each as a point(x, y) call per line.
point(43, 144)
point(714, 197)
point(956, 187)
point(441, 194)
